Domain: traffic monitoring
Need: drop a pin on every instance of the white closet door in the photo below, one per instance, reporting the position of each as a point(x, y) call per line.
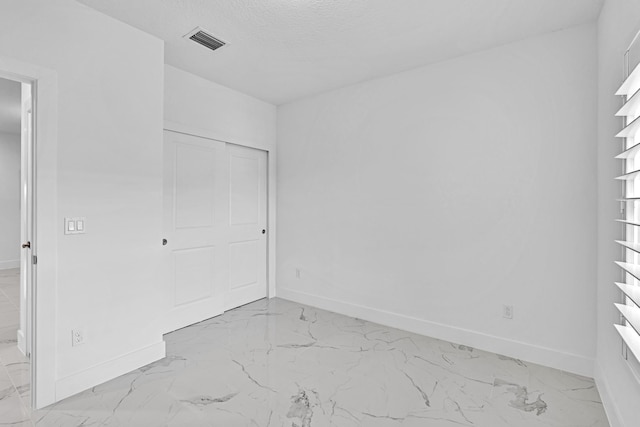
point(196, 218)
point(215, 211)
point(247, 226)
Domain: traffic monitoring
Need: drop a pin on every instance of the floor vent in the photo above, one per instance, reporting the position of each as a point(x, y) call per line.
point(200, 36)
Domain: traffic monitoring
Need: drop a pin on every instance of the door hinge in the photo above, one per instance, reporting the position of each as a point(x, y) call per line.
point(35, 259)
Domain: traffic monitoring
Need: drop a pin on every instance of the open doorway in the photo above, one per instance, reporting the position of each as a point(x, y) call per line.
point(16, 207)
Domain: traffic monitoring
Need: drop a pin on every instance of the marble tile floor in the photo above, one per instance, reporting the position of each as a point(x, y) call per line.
point(14, 367)
point(277, 363)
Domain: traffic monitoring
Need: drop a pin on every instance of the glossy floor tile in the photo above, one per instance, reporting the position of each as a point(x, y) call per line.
point(14, 367)
point(278, 363)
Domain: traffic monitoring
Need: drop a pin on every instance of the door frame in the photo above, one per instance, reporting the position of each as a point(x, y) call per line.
point(42, 335)
point(271, 188)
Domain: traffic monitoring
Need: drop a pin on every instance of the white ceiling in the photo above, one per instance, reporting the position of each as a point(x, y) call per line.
point(10, 96)
point(281, 50)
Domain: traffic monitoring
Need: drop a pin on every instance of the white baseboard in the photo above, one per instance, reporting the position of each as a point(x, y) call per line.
point(532, 353)
point(12, 263)
point(104, 372)
point(610, 406)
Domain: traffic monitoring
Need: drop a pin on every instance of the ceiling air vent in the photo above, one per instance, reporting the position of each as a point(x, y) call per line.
point(198, 35)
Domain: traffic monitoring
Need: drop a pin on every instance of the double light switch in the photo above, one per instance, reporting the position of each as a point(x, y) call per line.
point(74, 225)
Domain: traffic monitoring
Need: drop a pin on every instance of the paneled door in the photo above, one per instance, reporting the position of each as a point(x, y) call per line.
point(247, 226)
point(196, 218)
point(215, 219)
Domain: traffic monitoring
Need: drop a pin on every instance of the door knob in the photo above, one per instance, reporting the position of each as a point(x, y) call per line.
point(164, 242)
point(26, 245)
point(264, 231)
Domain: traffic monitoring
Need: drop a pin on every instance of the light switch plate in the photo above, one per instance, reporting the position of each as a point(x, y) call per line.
point(77, 225)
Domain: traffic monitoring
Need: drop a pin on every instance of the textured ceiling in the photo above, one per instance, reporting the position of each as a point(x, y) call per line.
point(281, 50)
point(10, 96)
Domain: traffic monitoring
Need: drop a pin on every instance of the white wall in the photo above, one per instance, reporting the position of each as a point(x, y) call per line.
point(618, 23)
point(428, 199)
point(9, 200)
point(109, 170)
point(198, 106)
point(231, 115)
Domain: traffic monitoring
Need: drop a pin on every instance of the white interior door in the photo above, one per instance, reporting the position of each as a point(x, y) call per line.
point(196, 218)
point(27, 271)
point(247, 226)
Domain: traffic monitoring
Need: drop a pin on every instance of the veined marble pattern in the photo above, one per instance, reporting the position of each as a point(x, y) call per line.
point(277, 363)
point(14, 367)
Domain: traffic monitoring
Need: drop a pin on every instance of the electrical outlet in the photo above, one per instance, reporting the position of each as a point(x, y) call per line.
point(507, 311)
point(298, 273)
point(77, 337)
